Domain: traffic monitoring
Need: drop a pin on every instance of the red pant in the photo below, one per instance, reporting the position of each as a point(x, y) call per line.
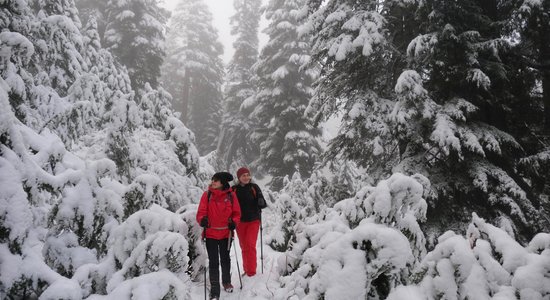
point(248, 235)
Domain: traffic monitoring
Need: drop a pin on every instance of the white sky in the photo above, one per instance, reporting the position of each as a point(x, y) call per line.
point(221, 11)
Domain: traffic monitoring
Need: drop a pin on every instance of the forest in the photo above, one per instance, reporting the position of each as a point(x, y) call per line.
point(434, 184)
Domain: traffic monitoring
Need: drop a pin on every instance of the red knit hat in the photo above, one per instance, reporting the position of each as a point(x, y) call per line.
point(242, 171)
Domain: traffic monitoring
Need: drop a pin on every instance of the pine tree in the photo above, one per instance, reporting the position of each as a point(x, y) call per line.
point(470, 137)
point(487, 262)
point(135, 35)
point(361, 61)
point(193, 71)
point(447, 119)
point(287, 141)
point(72, 153)
point(530, 82)
point(373, 237)
point(533, 50)
point(234, 144)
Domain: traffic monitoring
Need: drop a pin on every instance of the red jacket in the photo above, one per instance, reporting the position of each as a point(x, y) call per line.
point(218, 210)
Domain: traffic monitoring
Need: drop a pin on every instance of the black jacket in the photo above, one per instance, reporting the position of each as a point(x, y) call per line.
point(250, 204)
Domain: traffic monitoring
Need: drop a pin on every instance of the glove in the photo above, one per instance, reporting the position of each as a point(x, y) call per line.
point(231, 225)
point(261, 203)
point(204, 222)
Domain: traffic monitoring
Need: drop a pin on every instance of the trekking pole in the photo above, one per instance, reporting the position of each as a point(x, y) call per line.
point(204, 242)
point(261, 242)
point(236, 258)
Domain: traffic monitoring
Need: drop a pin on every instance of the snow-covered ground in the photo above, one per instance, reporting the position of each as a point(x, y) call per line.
point(260, 286)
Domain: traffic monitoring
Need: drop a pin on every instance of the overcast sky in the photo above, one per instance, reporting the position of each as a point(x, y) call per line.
point(221, 11)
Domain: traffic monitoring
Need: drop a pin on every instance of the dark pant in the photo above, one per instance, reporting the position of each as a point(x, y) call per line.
point(218, 252)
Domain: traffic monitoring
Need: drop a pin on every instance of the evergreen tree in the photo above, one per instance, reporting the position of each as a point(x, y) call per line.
point(72, 158)
point(287, 141)
point(234, 144)
point(446, 119)
point(485, 263)
point(470, 138)
point(135, 35)
point(361, 60)
point(533, 50)
point(372, 239)
point(193, 71)
point(530, 87)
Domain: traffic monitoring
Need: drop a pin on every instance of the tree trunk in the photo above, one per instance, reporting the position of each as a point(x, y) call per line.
point(546, 98)
point(544, 61)
point(185, 99)
point(545, 72)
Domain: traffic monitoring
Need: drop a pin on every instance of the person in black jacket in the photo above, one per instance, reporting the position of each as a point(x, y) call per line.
point(251, 202)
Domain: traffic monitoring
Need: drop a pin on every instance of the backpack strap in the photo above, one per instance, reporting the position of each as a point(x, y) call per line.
point(253, 191)
point(234, 188)
point(228, 193)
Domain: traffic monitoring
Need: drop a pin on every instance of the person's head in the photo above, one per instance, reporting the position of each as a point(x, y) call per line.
point(243, 174)
point(221, 180)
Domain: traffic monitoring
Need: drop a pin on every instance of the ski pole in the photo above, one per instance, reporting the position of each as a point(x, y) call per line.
point(230, 240)
point(204, 242)
point(237, 260)
point(261, 242)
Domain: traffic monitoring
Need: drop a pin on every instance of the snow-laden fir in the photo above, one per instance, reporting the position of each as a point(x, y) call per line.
point(429, 190)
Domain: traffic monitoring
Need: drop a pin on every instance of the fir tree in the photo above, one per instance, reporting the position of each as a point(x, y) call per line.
point(446, 120)
point(286, 139)
point(72, 154)
point(135, 35)
point(530, 87)
point(193, 71)
point(533, 50)
point(468, 136)
point(361, 61)
point(234, 144)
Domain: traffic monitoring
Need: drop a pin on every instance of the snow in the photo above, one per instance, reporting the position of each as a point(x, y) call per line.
point(11, 41)
point(479, 78)
point(151, 286)
point(99, 182)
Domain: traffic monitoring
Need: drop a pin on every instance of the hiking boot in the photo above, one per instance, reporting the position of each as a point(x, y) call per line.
point(228, 287)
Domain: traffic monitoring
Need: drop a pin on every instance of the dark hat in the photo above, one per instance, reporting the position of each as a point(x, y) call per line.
point(224, 178)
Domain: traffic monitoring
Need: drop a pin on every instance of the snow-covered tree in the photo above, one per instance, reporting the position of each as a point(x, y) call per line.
point(440, 110)
point(287, 140)
point(362, 248)
point(135, 35)
point(486, 263)
point(234, 144)
point(529, 84)
point(193, 71)
point(293, 205)
point(464, 131)
point(76, 150)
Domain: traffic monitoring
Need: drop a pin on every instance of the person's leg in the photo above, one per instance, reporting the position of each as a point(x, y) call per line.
point(251, 238)
point(225, 261)
point(213, 267)
point(242, 233)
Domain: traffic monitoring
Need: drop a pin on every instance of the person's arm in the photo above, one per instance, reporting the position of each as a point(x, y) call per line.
point(259, 197)
point(202, 211)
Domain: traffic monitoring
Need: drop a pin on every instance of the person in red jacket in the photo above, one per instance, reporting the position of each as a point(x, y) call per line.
point(251, 201)
point(219, 212)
